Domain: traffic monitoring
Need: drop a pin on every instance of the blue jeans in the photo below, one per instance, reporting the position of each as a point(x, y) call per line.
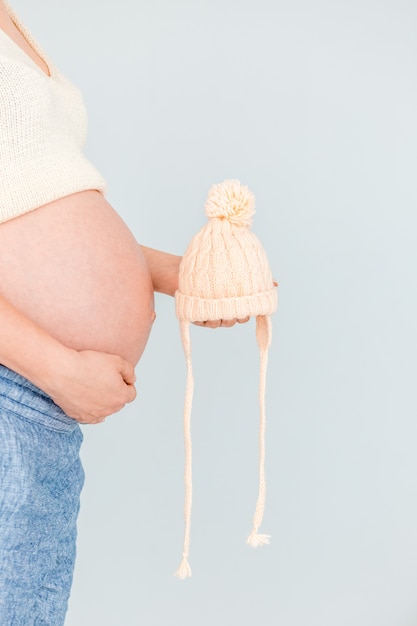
point(41, 478)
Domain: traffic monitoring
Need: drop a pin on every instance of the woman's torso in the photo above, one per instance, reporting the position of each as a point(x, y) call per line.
point(72, 265)
point(74, 268)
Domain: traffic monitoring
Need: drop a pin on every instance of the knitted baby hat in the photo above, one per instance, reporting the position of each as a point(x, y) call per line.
point(225, 275)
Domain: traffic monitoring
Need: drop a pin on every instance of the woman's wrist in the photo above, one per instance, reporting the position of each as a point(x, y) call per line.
point(163, 268)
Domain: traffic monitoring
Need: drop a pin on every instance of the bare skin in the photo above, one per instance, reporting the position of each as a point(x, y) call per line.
point(76, 296)
point(74, 268)
point(10, 29)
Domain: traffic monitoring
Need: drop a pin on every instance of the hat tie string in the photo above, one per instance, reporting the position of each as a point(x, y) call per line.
point(184, 570)
point(263, 336)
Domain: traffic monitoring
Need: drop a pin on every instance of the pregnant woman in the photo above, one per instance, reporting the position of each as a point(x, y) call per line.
point(76, 309)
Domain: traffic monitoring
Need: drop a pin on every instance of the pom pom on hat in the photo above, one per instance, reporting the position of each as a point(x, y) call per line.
point(225, 274)
point(231, 201)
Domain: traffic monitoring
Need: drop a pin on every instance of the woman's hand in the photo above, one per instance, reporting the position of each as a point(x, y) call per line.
point(91, 385)
point(164, 269)
point(222, 323)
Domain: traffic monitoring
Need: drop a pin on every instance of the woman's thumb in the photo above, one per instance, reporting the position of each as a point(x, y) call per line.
point(128, 372)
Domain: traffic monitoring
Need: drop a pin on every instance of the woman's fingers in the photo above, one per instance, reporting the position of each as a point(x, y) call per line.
point(222, 323)
point(227, 323)
point(209, 324)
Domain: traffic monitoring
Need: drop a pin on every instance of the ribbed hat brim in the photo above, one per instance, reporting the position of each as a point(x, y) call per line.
point(194, 309)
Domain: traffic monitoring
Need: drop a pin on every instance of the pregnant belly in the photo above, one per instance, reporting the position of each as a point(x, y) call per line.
point(75, 269)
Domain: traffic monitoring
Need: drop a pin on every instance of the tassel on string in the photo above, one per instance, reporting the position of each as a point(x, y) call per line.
point(256, 540)
point(184, 570)
point(263, 336)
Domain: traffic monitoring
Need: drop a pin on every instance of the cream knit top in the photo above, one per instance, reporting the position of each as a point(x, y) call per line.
point(43, 126)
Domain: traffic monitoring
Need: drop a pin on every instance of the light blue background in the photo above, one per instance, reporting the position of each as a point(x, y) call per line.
point(313, 106)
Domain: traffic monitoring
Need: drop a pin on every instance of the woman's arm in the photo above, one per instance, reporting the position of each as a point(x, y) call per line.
point(87, 385)
point(164, 268)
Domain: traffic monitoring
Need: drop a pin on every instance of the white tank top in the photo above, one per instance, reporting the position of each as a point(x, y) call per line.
point(43, 126)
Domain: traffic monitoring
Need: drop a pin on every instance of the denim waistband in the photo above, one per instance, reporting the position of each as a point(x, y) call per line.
point(19, 396)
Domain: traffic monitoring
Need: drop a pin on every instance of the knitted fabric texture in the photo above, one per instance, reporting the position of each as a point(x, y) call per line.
point(43, 131)
point(225, 275)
